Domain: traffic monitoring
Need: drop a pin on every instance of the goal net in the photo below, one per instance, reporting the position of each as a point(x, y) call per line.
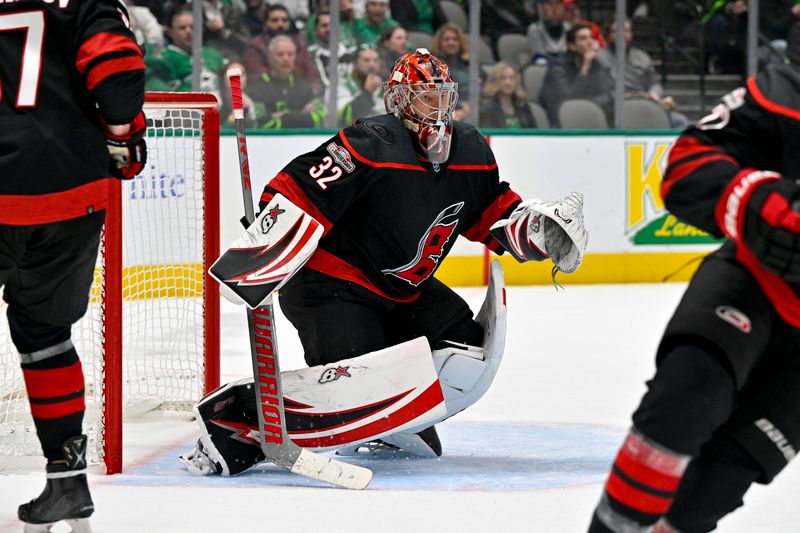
point(150, 336)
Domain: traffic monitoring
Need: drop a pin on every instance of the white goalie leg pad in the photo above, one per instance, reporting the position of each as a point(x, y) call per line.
point(273, 248)
point(363, 398)
point(467, 372)
point(390, 394)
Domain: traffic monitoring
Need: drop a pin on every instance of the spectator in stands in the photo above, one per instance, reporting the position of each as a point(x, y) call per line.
point(174, 68)
point(224, 27)
point(577, 74)
point(505, 16)
point(256, 53)
point(572, 16)
point(504, 104)
point(641, 79)
point(418, 15)
point(376, 20)
point(548, 37)
point(392, 44)
point(347, 22)
point(320, 53)
point(299, 9)
point(282, 98)
point(450, 46)
point(360, 94)
point(256, 16)
point(148, 31)
point(727, 33)
point(160, 9)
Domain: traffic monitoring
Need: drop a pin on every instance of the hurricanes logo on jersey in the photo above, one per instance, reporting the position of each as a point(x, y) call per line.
point(430, 248)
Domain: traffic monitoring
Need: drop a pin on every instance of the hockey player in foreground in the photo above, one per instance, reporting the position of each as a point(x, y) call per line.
point(723, 410)
point(72, 83)
point(389, 196)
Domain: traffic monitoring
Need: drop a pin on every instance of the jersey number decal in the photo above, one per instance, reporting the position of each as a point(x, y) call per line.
point(317, 172)
point(33, 24)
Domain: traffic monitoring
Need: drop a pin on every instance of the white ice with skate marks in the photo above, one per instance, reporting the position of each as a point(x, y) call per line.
point(530, 456)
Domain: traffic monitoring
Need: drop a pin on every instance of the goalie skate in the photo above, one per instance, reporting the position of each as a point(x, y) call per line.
point(424, 444)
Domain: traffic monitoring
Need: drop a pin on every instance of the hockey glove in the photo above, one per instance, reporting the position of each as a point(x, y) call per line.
point(537, 230)
point(128, 152)
point(274, 247)
point(760, 210)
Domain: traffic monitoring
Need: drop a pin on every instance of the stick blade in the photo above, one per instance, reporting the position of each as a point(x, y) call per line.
point(338, 473)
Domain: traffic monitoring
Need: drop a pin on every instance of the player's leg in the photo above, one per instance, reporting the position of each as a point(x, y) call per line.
point(754, 445)
point(335, 319)
point(439, 314)
point(717, 335)
point(46, 293)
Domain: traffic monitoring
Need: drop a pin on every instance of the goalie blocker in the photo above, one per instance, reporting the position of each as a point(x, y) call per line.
point(274, 247)
point(391, 394)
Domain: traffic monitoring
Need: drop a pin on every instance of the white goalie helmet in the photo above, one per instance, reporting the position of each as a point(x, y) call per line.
point(421, 93)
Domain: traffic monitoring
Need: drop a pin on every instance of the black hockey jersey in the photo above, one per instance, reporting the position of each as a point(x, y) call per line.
point(65, 63)
point(390, 217)
point(754, 128)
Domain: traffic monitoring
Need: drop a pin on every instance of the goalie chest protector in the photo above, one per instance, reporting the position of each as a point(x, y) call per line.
point(390, 217)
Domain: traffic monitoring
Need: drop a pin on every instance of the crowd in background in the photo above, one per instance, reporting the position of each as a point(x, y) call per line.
point(560, 57)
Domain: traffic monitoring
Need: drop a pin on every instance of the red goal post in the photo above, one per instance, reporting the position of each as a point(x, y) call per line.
point(150, 338)
point(207, 108)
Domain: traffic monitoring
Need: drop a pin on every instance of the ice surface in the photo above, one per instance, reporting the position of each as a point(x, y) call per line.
point(531, 456)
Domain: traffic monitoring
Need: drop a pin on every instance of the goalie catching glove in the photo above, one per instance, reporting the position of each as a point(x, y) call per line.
point(760, 210)
point(274, 247)
point(128, 152)
point(537, 230)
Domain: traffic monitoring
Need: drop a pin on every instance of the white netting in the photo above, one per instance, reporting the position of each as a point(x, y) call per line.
point(163, 312)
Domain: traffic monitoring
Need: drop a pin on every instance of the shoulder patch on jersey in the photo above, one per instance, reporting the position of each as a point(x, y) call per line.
point(341, 156)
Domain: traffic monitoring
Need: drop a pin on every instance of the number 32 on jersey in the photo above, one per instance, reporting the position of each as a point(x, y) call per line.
point(326, 171)
point(318, 172)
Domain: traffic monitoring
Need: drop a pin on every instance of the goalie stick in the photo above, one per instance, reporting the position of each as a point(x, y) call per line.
point(275, 442)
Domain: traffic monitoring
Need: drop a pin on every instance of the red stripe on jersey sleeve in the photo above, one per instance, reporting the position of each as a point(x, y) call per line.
point(104, 43)
point(287, 186)
point(479, 231)
point(676, 173)
point(112, 66)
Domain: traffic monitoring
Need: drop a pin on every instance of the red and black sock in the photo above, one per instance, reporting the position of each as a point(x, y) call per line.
point(55, 390)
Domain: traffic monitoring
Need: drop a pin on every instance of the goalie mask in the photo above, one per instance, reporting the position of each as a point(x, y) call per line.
point(421, 94)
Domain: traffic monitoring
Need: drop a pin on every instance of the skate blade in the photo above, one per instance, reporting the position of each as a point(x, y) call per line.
point(77, 525)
